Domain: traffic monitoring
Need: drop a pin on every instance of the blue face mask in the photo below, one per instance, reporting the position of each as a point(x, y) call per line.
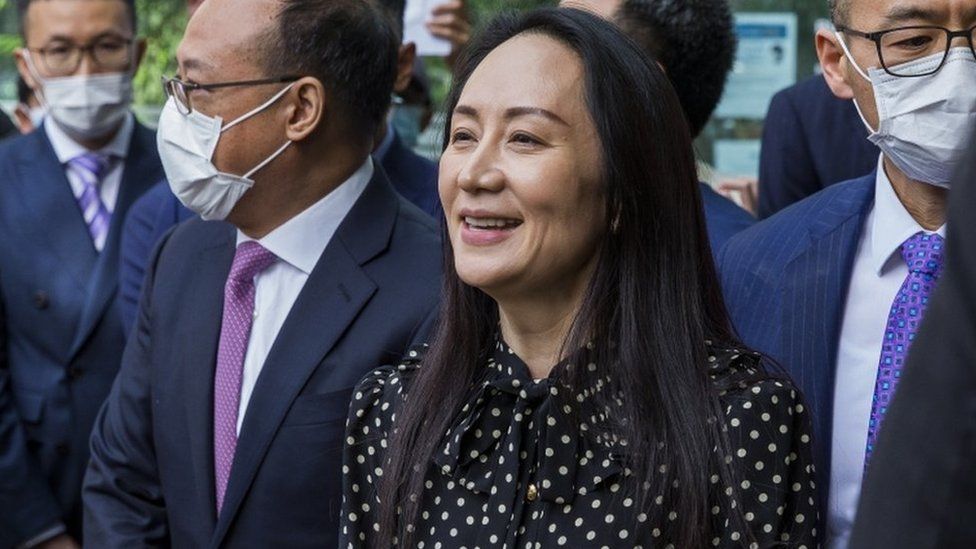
point(406, 122)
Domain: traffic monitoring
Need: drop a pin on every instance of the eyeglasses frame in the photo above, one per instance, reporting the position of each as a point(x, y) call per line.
point(877, 36)
point(169, 84)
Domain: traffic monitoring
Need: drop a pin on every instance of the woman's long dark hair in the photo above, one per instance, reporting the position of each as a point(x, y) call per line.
point(650, 306)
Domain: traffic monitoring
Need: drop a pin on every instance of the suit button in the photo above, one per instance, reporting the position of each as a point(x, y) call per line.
point(532, 493)
point(74, 372)
point(41, 300)
point(61, 449)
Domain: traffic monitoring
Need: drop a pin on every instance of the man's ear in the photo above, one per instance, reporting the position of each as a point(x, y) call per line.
point(834, 63)
point(25, 73)
point(306, 109)
point(405, 59)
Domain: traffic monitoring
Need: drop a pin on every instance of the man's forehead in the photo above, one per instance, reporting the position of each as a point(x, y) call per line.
point(218, 41)
point(895, 12)
point(78, 18)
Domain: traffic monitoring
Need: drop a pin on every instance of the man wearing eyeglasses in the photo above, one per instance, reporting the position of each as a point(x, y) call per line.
point(306, 271)
point(834, 287)
point(64, 191)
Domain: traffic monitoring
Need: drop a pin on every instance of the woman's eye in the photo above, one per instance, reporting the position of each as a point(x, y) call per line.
point(460, 136)
point(524, 139)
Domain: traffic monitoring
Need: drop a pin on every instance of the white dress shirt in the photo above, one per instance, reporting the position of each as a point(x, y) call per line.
point(879, 271)
point(66, 148)
point(298, 244)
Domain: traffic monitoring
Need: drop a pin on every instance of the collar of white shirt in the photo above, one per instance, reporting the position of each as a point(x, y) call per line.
point(301, 240)
point(66, 148)
point(891, 224)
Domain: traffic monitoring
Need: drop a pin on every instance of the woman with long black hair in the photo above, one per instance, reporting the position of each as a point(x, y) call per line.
point(583, 387)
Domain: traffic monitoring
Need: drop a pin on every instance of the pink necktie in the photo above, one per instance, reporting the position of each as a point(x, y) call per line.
point(250, 260)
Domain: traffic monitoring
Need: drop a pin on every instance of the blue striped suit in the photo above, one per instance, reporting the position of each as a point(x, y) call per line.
point(785, 281)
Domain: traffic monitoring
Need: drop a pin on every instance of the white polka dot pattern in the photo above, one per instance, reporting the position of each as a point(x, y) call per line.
point(518, 470)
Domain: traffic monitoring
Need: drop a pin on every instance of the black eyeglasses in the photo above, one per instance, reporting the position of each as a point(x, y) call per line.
point(179, 90)
point(110, 53)
point(897, 47)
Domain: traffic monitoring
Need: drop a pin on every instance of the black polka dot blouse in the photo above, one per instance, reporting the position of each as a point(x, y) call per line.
point(516, 470)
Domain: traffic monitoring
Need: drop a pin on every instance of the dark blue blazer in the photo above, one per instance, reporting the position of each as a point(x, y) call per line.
point(723, 218)
point(61, 339)
point(785, 282)
point(811, 139)
point(413, 176)
point(149, 219)
point(151, 479)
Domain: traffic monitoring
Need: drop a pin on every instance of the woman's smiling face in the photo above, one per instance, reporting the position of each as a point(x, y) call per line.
point(520, 180)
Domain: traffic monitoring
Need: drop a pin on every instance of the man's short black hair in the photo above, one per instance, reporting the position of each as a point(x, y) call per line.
point(349, 45)
point(22, 6)
point(695, 42)
point(394, 9)
point(839, 10)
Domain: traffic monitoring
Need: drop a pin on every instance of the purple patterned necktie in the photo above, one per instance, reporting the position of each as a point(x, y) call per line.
point(250, 260)
point(924, 254)
point(90, 168)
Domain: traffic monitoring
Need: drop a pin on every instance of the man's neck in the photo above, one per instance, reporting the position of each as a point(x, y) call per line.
point(926, 203)
point(290, 190)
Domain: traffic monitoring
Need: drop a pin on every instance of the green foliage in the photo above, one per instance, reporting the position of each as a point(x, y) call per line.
point(161, 22)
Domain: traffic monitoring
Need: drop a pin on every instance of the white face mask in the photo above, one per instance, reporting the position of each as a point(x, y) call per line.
point(924, 122)
point(85, 106)
point(186, 148)
point(37, 115)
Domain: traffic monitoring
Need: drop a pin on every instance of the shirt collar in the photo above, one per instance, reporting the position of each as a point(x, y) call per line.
point(891, 224)
point(66, 148)
point(293, 242)
point(384, 146)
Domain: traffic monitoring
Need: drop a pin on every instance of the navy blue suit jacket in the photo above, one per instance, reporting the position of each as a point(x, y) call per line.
point(723, 218)
point(785, 282)
point(413, 176)
point(61, 339)
point(811, 139)
point(151, 478)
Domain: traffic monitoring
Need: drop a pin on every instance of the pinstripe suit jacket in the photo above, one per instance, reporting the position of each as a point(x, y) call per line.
point(785, 281)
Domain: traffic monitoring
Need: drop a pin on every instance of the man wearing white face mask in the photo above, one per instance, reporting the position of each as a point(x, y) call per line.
point(65, 190)
point(834, 287)
point(306, 271)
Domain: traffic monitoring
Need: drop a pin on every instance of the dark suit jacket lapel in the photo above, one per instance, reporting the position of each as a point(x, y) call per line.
point(195, 355)
point(335, 292)
point(47, 194)
point(142, 169)
point(814, 293)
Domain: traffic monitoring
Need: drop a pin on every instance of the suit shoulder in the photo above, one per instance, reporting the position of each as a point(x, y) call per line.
point(414, 222)
point(800, 216)
point(152, 200)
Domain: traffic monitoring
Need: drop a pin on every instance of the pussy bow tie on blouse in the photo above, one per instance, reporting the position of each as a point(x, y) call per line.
point(512, 419)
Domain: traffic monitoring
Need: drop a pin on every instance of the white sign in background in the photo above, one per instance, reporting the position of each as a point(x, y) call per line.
point(414, 29)
point(765, 63)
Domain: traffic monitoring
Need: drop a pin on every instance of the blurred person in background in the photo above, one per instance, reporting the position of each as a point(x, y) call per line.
point(305, 271)
point(66, 189)
point(694, 41)
point(563, 399)
point(811, 139)
point(834, 287)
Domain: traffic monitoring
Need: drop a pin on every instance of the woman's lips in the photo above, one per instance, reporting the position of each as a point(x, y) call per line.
point(486, 230)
